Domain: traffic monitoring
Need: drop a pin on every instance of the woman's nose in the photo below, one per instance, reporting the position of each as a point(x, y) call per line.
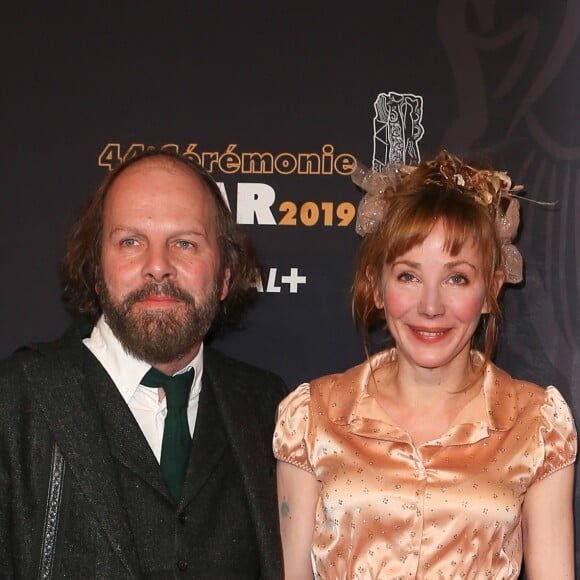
point(431, 303)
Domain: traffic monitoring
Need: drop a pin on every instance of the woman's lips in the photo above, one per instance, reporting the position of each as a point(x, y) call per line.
point(429, 335)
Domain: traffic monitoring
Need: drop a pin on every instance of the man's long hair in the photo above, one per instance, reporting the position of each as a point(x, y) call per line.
point(82, 259)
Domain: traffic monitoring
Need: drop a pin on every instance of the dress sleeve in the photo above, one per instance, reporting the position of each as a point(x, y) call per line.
point(557, 434)
point(292, 426)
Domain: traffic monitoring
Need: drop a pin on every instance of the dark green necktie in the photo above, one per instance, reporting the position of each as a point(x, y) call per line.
point(176, 438)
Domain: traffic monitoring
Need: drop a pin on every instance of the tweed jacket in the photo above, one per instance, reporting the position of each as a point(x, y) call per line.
point(51, 430)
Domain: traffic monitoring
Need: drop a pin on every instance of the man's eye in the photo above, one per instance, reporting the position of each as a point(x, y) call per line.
point(129, 242)
point(184, 244)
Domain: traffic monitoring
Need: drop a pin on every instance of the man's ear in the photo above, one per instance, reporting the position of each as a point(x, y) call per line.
point(225, 290)
point(97, 278)
point(497, 284)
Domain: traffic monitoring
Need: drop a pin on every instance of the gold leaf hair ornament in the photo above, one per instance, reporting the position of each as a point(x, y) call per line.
point(492, 189)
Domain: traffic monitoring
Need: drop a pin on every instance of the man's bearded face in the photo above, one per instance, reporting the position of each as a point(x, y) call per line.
point(159, 335)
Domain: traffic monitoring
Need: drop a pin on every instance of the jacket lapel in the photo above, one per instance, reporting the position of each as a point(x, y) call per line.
point(209, 442)
point(67, 401)
point(125, 439)
point(247, 432)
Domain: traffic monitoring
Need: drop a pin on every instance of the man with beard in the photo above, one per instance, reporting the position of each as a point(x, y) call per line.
point(128, 448)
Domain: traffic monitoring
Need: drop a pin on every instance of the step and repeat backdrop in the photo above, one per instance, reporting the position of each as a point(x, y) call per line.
point(278, 101)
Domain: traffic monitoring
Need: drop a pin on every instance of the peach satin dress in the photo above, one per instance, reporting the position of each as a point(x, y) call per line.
point(449, 508)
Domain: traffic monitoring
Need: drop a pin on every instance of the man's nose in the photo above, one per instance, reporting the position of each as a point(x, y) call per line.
point(158, 263)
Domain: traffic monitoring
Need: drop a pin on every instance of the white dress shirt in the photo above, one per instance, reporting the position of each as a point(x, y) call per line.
point(126, 372)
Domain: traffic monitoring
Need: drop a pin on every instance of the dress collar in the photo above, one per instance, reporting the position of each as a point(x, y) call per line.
point(349, 404)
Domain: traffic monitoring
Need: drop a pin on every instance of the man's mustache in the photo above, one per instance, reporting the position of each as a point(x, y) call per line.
point(158, 289)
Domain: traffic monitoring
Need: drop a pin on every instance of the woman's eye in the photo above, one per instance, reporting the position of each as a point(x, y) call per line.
point(406, 277)
point(458, 279)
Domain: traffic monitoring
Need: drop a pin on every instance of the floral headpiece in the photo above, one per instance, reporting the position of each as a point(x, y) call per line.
point(489, 188)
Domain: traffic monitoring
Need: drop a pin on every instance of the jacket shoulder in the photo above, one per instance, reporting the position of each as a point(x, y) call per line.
point(220, 364)
point(41, 360)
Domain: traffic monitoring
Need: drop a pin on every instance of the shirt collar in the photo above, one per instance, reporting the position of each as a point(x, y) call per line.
point(125, 370)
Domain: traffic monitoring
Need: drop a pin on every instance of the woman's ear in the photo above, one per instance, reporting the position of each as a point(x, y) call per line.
point(372, 280)
point(497, 284)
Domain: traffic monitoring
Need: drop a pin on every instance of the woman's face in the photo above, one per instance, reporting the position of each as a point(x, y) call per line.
point(433, 301)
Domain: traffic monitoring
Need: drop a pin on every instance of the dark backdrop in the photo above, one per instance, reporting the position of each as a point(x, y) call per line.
point(306, 87)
